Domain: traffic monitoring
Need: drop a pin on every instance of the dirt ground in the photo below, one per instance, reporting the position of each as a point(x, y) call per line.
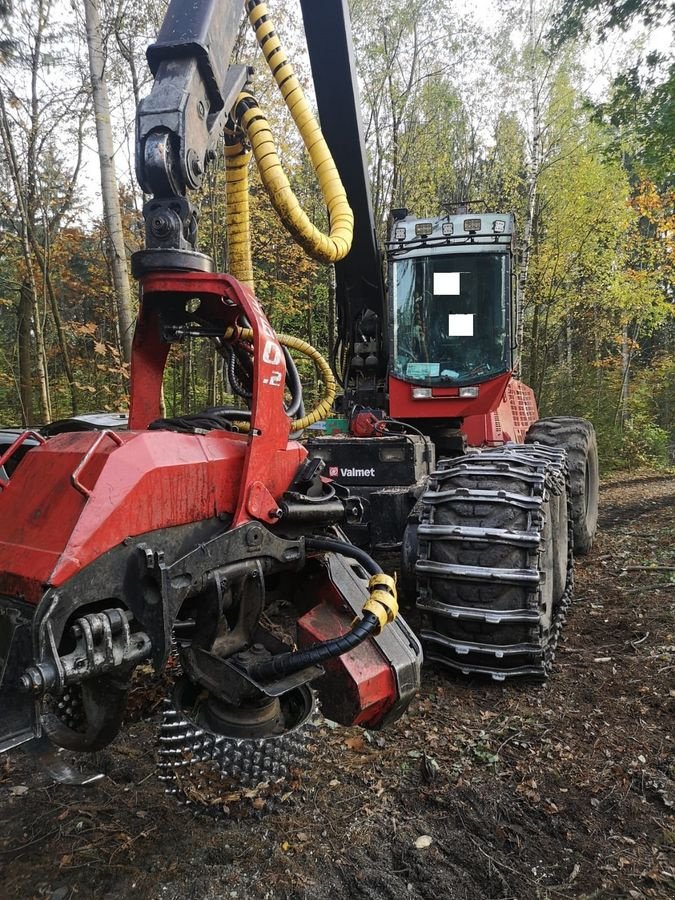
point(482, 790)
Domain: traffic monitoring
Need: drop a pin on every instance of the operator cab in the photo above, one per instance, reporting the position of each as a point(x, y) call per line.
point(450, 284)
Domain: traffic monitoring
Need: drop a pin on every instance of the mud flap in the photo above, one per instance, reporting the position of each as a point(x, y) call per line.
point(19, 721)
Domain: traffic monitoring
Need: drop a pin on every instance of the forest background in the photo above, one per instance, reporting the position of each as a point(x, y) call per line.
point(506, 107)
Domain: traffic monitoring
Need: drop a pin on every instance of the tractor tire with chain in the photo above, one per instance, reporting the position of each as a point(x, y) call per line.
point(577, 437)
point(494, 569)
point(85, 718)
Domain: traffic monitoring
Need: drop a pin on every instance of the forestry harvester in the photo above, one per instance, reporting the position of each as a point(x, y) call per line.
point(119, 546)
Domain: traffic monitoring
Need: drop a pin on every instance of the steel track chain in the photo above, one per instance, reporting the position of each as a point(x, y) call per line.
point(492, 619)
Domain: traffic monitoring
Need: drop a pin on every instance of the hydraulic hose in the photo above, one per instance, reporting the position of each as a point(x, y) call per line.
point(232, 357)
point(322, 409)
point(325, 248)
point(252, 123)
point(380, 608)
point(237, 159)
point(293, 384)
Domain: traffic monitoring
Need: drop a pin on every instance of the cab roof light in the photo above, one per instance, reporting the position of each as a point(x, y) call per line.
point(447, 229)
point(499, 226)
point(400, 232)
point(472, 224)
point(423, 229)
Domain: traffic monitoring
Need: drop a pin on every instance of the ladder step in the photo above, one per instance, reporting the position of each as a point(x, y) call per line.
point(496, 674)
point(477, 614)
point(498, 651)
point(465, 495)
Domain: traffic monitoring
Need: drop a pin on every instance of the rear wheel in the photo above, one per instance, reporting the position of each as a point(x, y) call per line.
point(577, 437)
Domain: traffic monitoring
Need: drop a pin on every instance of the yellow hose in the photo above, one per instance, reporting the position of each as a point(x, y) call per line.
point(236, 190)
point(324, 248)
point(330, 248)
point(324, 406)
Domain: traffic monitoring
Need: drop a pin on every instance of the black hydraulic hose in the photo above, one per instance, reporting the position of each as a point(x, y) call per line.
point(344, 549)
point(285, 664)
point(237, 387)
point(293, 384)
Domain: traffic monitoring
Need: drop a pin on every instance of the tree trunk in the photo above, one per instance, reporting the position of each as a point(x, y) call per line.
point(25, 314)
point(111, 204)
point(533, 172)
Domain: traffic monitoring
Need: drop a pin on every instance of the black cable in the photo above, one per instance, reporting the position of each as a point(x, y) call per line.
point(406, 425)
point(216, 418)
point(285, 664)
point(344, 549)
point(235, 355)
point(235, 384)
point(293, 384)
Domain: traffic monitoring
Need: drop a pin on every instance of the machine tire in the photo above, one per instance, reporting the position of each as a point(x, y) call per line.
point(101, 703)
point(494, 571)
point(577, 437)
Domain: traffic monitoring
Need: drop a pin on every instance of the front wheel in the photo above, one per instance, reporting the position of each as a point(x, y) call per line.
point(577, 437)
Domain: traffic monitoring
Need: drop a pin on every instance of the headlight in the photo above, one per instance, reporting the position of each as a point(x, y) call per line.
point(423, 229)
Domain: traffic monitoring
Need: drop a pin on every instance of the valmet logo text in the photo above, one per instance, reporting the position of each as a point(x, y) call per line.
point(342, 472)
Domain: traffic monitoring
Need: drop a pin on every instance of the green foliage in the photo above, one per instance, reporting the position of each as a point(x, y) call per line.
point(641, 114)
point(641, 106)
point(575, 16)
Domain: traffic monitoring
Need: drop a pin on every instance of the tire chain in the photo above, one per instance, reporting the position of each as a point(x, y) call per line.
point(544, 472)
point(68, 708)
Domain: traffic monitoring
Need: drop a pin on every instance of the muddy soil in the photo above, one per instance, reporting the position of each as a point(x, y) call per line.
point(481, 791)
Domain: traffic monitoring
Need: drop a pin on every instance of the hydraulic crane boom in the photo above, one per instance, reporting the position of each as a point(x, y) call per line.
point(359, 277)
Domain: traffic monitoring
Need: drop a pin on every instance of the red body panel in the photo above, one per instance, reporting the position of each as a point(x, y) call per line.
point(358, 687)
point(503, 410)
point(508, 422)
point(49, 529)
point(81, 494)
point(222, 301)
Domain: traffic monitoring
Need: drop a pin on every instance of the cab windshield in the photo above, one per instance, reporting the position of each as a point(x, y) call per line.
point(451, 318)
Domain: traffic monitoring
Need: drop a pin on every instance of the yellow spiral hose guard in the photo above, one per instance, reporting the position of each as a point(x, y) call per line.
point(251, 125)
point(251, 120)
point(322, 409)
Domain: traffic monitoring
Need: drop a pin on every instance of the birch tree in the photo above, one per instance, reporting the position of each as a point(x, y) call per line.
point(109, 187)
point(35, 116)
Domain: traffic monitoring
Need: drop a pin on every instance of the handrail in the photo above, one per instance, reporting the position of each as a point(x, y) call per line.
point(77, 484)
point(11, 450)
